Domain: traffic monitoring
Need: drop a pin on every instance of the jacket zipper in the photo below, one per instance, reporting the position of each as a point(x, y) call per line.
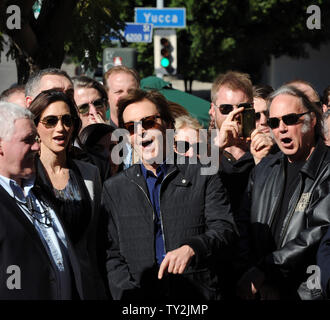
point(153, 212)
point(160, 211)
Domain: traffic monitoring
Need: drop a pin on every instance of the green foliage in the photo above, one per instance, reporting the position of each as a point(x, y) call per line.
point(93, 22)
point(219, 35)
point(242, 35)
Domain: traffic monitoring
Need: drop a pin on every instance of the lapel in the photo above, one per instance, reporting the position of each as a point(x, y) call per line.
point(12, 208)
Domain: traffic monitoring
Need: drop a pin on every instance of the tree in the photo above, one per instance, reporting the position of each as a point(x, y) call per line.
point(75, 27)
point(243, 35)
point(220, 35)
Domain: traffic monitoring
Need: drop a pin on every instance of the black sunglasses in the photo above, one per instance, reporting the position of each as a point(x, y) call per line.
point(258, 114)
point(289, 119)
point(226, 108)
point(98, 104)
point(51, 121)
point(184, 146)
point(147, 123)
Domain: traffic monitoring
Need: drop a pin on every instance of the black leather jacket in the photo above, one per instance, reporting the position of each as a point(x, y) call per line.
point(194, 211)
point(307, 219)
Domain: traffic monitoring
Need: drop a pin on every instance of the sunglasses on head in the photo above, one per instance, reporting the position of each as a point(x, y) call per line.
point(258, 114)
point(289, 119)
point(51, 121)
point(98, 104)
point(226, 108)
point(184, 146)
point(147, 123)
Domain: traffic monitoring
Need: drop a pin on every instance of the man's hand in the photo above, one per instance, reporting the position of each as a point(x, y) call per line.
point(260, 145)
point(250, 283)
point(95, 118)
point(176, 261)
point(228, 134)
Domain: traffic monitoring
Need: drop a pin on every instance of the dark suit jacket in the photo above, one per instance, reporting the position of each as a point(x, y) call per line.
point(20, 245)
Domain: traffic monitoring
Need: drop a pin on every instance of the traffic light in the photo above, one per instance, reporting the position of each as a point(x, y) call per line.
point(165, 55)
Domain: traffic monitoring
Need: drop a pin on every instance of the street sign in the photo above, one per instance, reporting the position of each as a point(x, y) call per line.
point(162, 18)
point(136, 32)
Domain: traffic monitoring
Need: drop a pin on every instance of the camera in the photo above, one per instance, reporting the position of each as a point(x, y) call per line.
point(248, 122)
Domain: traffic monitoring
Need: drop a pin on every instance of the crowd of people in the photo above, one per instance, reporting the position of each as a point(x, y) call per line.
point(107, 191)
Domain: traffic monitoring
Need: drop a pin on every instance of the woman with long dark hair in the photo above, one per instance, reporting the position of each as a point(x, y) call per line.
point(73, 186)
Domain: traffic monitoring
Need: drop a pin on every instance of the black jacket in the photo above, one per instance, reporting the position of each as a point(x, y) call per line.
point(20, 245)
point(83, 241)
point(323, 261)
point(194, 211)
point(307, 219)
point(234, 175)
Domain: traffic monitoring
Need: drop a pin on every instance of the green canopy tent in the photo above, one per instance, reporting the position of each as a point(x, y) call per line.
point(197, 107)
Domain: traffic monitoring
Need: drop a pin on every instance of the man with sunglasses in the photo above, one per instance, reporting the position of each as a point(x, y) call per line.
point(261, 141)
point(287, 204)
point(230, 94)
point(91, 100)
point(168, 225)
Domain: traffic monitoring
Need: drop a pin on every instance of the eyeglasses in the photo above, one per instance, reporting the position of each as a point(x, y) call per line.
point(147, 123)
point(185, 146)
point(98, 104)
point(51, 121)
point(289, 119)
point(258, 114)
point(43, 217)
point(226, 108)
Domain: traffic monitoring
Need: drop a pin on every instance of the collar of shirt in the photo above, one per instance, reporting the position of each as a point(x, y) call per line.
point(14, 190)
point(161, 170)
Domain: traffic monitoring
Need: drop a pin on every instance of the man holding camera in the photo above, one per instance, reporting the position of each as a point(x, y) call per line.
point(230, 94)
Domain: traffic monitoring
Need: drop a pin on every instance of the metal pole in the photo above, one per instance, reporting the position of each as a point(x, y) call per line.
point(160, 5)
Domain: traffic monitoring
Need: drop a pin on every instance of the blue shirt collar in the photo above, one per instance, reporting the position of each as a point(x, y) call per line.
point(16, 191)
point(162, 169)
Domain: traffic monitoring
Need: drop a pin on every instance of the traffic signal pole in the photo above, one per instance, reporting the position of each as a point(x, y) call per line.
point(165, 49)
point(160, 5)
